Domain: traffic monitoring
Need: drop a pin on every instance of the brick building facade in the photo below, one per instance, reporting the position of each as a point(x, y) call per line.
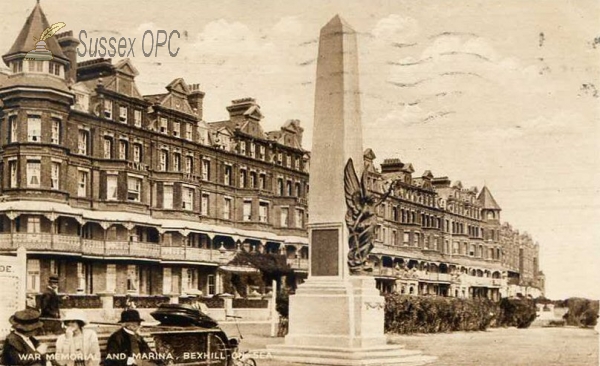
point(119, 192)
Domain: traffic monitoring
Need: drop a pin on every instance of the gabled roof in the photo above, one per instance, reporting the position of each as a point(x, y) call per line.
point(35, 24)
point(487, 200)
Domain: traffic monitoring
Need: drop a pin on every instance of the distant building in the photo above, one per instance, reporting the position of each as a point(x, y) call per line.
point(124, 193)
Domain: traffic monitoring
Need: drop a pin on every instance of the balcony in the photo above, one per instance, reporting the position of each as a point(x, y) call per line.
point(298, 263)
point(196, 254)
point(437, 277)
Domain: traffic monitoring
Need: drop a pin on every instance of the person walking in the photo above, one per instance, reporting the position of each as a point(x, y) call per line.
point(78, 346)
point(20, 347)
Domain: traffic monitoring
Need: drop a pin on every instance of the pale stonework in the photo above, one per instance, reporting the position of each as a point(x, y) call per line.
point(336, 318)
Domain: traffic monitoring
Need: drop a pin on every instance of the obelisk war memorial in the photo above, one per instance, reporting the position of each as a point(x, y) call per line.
point(337, 315)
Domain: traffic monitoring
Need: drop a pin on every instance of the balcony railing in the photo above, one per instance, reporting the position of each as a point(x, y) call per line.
point(196, 254)
point(298, 263)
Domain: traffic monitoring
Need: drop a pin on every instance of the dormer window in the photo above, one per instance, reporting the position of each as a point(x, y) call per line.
point(123, 114)
point(107, 109)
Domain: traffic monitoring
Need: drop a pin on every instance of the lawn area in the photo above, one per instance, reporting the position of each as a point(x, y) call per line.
point(495, 347)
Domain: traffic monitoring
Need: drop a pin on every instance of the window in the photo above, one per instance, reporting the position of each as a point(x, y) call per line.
point(33, 224)
point(177, 162)
point(33, 275)
point(247, 213)
point(17, 66)
point(189, 164)
point(137, 118)
point(82, 183)
point(298, 190)
point(187, 199)
point(211, 285)
point(394, 235)
point(34, 128)
point(189, 132)
point(406, 238)
point(205, 170)
point(37, 66)
point(288, 186)
point(13, 127)
point(108, 109)
point(416, 239)
point(297, 163)
point(123, 114)
point(111, 187)
point(243, 147)
point(55, 175)
point(253, 179)
point(261, 153)
point(168, 196)
point(137, 153)
point(288, 161)
point(263, 212)
point(12, 167)
point(227, 208)
point(279, 158)
point(280, 186)
point(163, 125)
point(134, 189)
point(262, 184)
point(33, 173)
point(55, 133)
point(299, 218)
point(204, 204)
point(82, 145)
point(132, 278)
point(252, 150)
point(123, 147)
point(285, 213)
point(176, 129)
point(227, 176)
point(54, 68)
point(242, 178)
point(107, 147)
point(162, 163)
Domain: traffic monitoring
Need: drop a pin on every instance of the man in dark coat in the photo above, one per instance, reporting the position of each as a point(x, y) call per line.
point(126, 347)
point(20, 347)
point(50, 307)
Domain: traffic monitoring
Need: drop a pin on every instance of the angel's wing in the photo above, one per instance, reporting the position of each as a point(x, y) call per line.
point(352, 188)
point(51, 30)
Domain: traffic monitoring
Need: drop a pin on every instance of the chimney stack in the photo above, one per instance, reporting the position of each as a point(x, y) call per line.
point(196, 99)
point(69, 44)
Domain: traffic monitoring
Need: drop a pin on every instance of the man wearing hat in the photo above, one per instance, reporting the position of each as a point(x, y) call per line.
point(20, 347)
point(126, 347)
point(50, 306)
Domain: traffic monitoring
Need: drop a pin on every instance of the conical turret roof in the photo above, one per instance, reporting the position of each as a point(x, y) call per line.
point(35, 24)
point(487, 200)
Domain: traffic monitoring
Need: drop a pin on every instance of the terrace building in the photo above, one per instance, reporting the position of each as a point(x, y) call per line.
point(117, 192)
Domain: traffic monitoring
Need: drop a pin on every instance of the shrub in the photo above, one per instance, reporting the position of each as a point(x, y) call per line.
point(410, 314)
point(518, 313)
point(582, 312)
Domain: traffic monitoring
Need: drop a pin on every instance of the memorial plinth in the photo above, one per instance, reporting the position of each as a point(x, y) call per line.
point(336, 318)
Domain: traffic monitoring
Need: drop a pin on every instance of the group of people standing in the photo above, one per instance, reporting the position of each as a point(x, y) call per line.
point(78, 346)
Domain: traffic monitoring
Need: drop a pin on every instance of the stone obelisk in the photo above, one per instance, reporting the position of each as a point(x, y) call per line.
point(336, 318)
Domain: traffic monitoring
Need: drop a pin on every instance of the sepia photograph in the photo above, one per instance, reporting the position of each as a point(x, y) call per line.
point(335, 182)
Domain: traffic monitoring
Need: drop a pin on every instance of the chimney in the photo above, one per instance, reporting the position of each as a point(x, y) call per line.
point(68, 44)
point(195, 99)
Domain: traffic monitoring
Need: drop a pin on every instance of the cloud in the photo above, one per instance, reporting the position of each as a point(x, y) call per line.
point(396, 28)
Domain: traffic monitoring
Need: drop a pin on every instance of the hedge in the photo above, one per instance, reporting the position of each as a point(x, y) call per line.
point(582, 312)
point(415, 314)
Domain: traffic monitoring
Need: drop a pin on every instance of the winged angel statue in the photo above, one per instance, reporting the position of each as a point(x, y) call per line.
point(360, 218)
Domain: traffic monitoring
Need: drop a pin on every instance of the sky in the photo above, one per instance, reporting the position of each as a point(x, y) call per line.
point(497, 93)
